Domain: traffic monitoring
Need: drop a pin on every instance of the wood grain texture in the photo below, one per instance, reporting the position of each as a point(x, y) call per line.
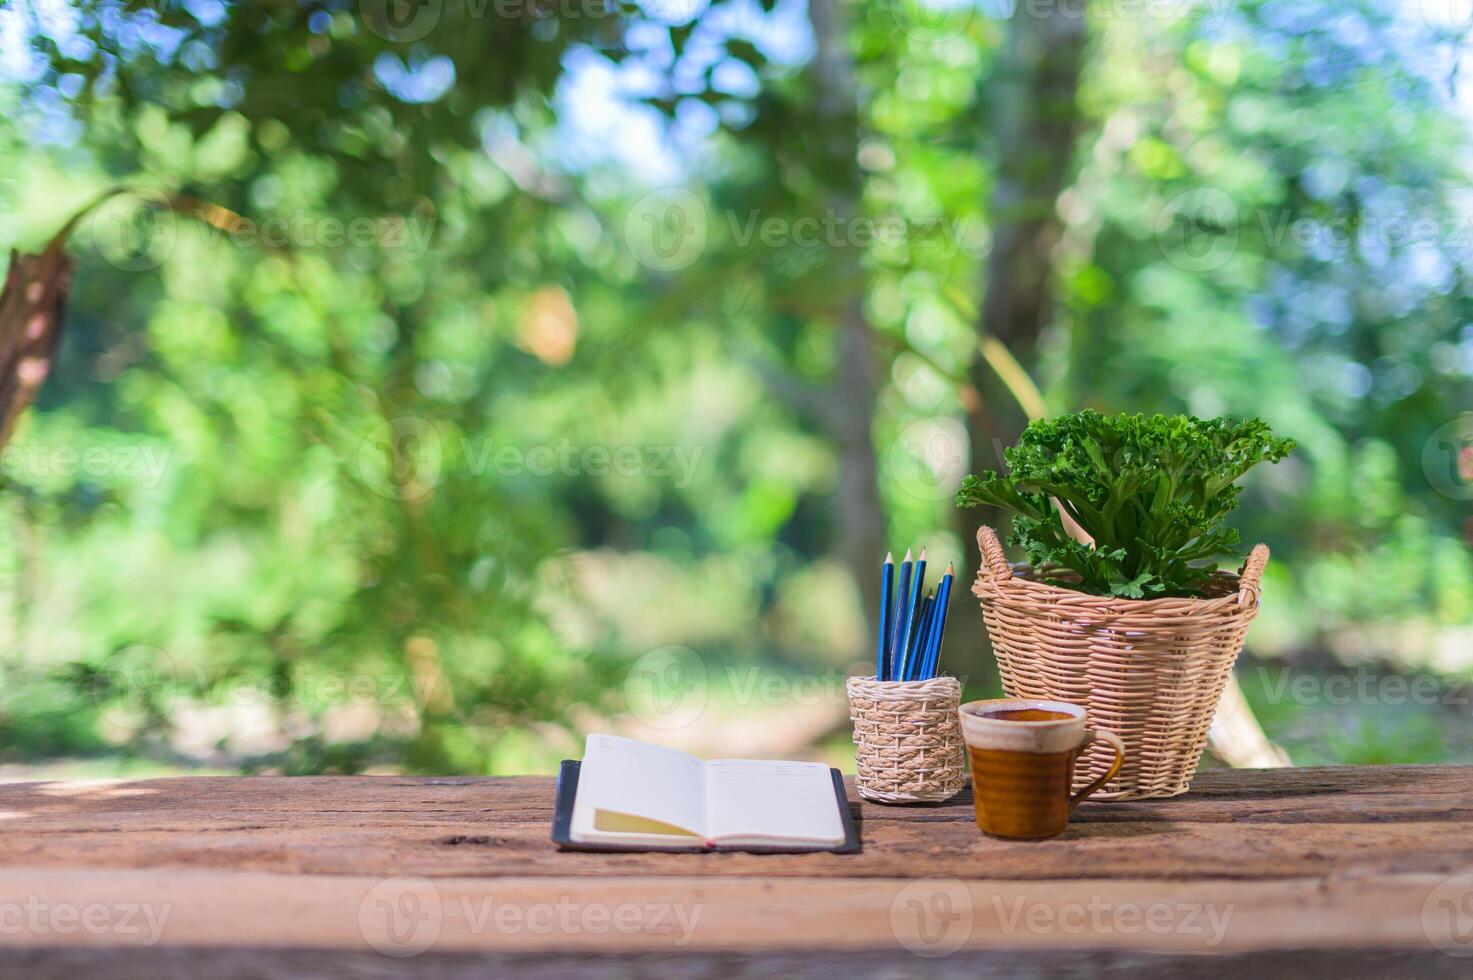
point(646, 913)
point(1295, 865)
point(1235, 824)
point(237, 963)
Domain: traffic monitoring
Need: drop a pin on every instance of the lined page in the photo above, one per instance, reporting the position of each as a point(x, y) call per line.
point(624, 776)
point(747, 798)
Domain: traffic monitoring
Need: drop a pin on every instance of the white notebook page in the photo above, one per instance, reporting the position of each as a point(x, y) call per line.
point(772, 799)
point(643, 780)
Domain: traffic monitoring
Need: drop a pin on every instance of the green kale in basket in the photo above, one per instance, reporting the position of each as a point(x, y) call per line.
point(1153, 491)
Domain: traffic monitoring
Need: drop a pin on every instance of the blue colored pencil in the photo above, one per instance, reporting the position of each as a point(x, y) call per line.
point(933, 640)
point(943, 605)
point(917, 654)
point(887, 617)
point(902, 620)
point(910, 603)
point(917, 590)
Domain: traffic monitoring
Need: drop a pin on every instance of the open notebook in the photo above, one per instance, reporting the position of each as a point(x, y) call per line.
point(632, 795)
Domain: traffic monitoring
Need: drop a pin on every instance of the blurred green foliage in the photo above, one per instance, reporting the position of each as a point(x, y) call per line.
point(387, 453)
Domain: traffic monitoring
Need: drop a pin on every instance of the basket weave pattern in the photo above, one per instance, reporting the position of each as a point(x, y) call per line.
point(1150, 671)
point(907, 739)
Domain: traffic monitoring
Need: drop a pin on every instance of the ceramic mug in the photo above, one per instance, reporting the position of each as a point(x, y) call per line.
point(1022, 753)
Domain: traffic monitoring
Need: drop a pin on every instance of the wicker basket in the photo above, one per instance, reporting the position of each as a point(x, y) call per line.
point(1150, 671)
point(907, 739)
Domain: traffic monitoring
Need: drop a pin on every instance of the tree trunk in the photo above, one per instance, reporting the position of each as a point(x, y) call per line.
point(31, 306)
point(1035, 99)
point(853, 393)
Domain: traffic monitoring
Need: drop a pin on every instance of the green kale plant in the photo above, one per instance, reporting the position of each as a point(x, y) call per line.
point(1153, 491)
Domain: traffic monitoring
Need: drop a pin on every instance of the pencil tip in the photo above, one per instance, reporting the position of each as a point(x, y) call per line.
point(923, 554)
point(907, 555)
point(889, 558)
point(949, 569)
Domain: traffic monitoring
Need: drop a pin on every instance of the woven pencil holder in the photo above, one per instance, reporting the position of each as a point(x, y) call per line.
point(1149, 671)
point(907, 739)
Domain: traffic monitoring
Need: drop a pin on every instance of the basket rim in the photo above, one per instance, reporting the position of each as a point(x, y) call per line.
point(1245, 595)
point(1019, 583)
point(943, 686)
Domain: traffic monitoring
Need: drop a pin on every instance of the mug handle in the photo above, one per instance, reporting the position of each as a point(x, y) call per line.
point(1090, 737)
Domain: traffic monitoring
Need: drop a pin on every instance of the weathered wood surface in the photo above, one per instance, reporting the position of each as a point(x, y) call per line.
point(1261, 873)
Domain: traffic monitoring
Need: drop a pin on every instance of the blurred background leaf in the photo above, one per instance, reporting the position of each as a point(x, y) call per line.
point(561, 335)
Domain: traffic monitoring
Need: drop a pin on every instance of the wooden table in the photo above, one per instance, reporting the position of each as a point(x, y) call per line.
point(1363, 871)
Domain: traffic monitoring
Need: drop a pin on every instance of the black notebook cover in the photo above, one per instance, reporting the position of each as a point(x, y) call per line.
point(562, 824)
